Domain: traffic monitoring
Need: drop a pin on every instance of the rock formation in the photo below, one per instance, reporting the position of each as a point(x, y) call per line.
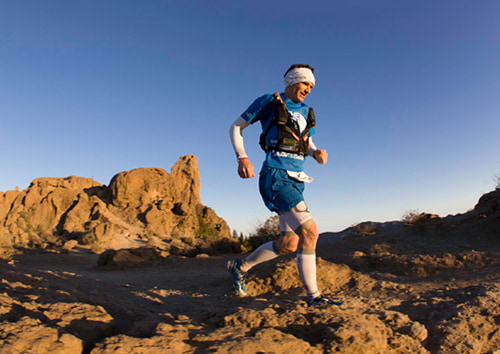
point(139, 207)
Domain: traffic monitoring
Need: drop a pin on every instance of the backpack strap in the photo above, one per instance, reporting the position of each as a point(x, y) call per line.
point(281, 117)
point(288, 129)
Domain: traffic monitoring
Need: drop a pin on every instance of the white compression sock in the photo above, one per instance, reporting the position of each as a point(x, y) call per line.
point(263, 253)
point(306, 264)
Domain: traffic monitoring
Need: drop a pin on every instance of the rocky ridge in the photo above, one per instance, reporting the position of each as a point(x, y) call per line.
point(144, 206)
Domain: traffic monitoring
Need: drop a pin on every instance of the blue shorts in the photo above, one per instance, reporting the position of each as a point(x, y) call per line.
point(278, 190)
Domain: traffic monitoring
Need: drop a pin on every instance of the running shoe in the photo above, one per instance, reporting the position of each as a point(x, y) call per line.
point(323, 301)
point(238, 277)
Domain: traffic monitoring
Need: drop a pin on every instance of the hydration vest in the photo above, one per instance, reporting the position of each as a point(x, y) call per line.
point(290, 139)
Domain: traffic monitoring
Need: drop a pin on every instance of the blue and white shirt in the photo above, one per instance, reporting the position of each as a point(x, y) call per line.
point(263, 110)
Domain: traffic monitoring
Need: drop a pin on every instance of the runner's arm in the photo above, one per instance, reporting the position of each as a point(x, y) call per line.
point(237, 137)
point(245, 167)
point(319, 155)
point(312, 147)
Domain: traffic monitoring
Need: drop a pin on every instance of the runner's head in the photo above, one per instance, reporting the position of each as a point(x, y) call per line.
point(299, 80)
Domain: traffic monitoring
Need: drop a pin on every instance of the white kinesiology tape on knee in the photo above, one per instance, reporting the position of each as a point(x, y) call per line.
point(297, 218)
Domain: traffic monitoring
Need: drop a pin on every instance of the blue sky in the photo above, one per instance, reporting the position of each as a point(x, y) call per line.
point(406, 99)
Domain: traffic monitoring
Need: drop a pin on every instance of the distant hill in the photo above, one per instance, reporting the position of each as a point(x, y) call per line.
point(366, 228)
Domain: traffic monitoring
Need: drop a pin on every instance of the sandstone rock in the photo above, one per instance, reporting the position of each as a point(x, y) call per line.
point(29, 335)
point(267, 340)
point(418, 331)
point(91, 323)
point(35, 214)
point(69, 245)
point(138, 204)
point(6, 200)
point(126, 258)
point(187, 180)
point(154, 345)
point(140, 188)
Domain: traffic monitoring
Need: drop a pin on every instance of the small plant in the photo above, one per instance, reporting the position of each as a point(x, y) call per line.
point(27, 219)
point(205, 231)
point(411, 216)
point(496, 179)
point(267, 231)
point(271, 227)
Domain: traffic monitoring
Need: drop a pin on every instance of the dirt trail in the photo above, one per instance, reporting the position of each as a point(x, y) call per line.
point(404, 292)
point(178, 286)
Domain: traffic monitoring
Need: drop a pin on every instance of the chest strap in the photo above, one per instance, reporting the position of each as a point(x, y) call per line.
point(290, 139)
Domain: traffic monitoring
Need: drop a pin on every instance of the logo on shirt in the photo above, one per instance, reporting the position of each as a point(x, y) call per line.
point(289, 155)
point(298, 118)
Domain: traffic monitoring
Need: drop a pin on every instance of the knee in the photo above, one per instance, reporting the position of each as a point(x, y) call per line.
point(311, 233)
point(288, 249)
point(310, 236)
point(288, 246)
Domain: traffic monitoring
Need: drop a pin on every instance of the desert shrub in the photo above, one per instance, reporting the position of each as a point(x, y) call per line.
point(411, 216)
point(204, 231)
point(223, 245)
point(496, 180)
point(269, 230)
point(214, 246)
point(27, 219)
point(271, 227)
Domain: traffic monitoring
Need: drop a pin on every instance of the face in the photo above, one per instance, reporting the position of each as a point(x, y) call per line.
point(299, 91)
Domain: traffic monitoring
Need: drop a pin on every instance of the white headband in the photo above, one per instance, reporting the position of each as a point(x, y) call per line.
point(299, 75)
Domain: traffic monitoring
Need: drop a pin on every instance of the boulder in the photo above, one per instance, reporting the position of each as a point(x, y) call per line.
point(127, 258)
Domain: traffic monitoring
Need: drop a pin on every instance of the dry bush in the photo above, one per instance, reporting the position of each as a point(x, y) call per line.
point(496, 180)
point(411, 216)
point(269, 230)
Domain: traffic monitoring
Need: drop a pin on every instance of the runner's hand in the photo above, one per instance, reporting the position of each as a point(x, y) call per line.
point(321, 156)
point(245, 168)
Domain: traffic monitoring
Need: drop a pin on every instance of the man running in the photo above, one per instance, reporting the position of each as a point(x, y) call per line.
point(287, 126)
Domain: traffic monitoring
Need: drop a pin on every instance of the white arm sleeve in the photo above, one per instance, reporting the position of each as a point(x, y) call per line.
point(312, 147)
point(237, 138)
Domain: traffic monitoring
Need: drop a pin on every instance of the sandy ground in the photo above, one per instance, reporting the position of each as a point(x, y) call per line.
point(403, 292)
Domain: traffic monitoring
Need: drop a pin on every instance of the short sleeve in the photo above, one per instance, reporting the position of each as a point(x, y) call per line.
point(251, 115)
